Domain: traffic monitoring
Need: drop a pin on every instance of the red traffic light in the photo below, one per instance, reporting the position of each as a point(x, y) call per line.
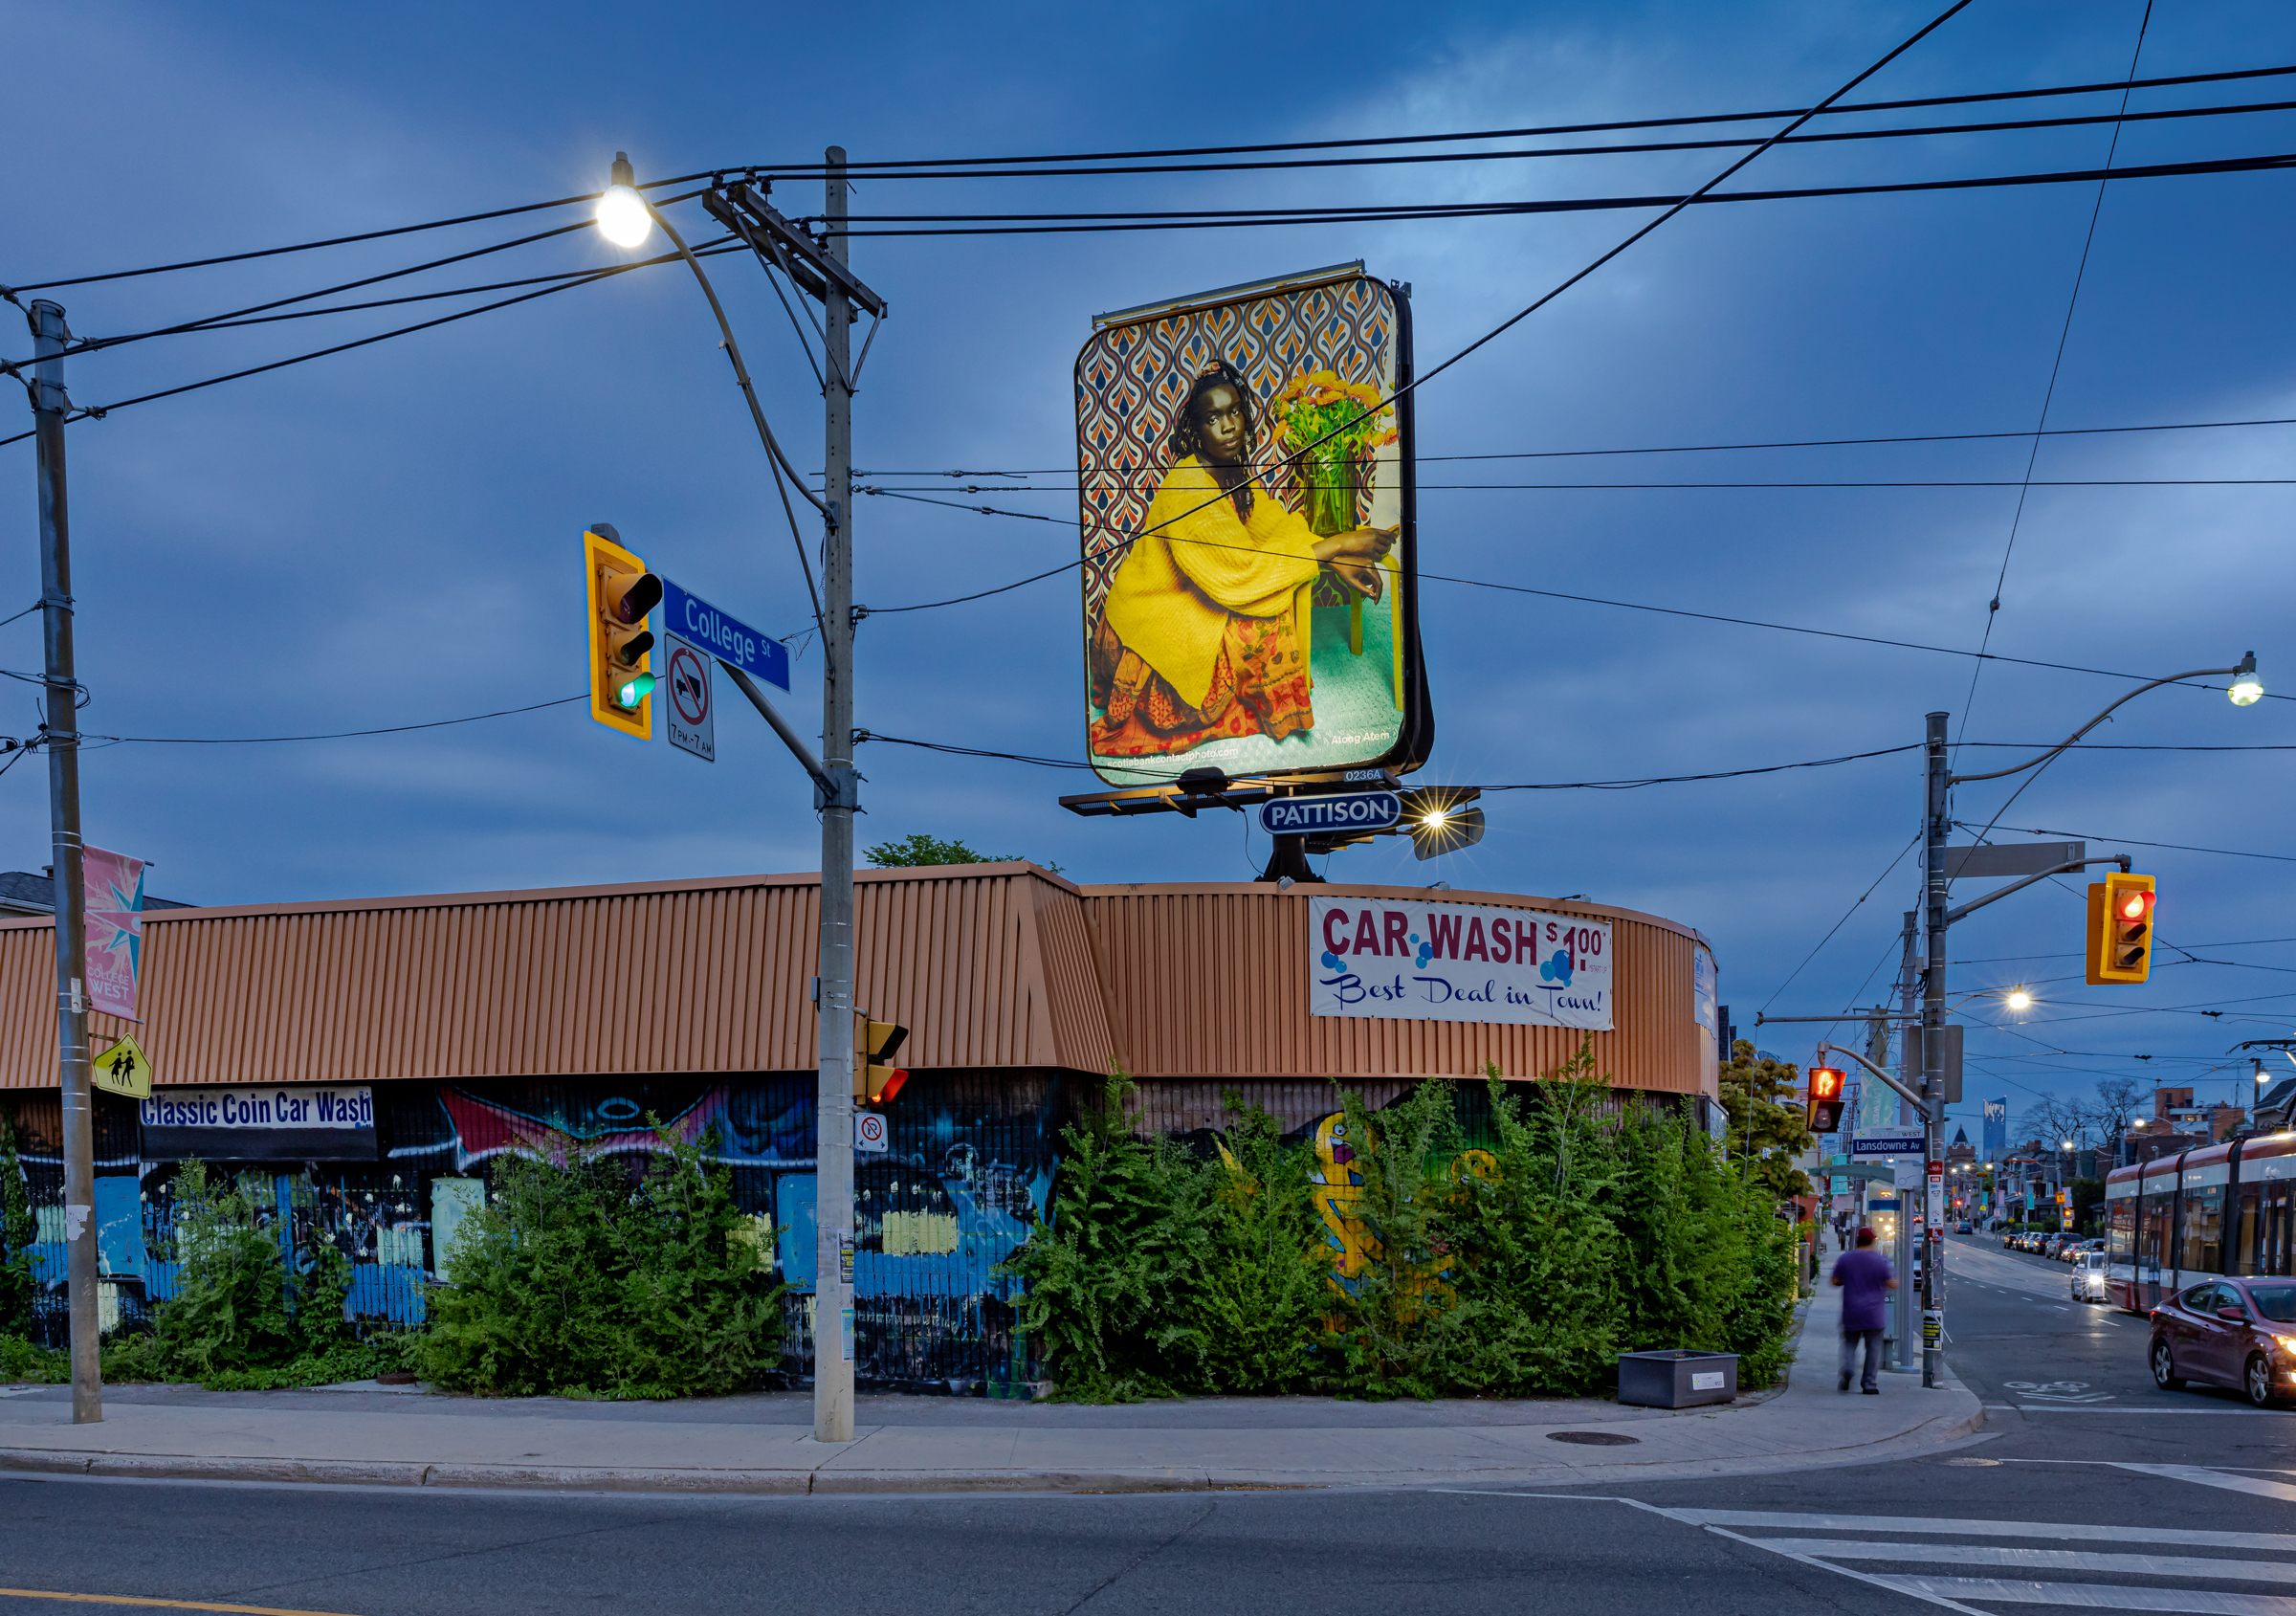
point(1825, 1085)
point(2135, 905)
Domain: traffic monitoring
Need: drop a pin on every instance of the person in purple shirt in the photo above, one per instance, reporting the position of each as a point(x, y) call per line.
point(1866, 1279)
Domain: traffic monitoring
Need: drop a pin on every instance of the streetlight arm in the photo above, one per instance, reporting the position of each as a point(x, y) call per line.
point(2247, 666)
point(733, 352)
point(1975, 903)
point(1908, 1094)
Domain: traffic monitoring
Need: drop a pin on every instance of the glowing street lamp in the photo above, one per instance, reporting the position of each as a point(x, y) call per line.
point(622, 216)
point(2019, 999)
point(2245, 689)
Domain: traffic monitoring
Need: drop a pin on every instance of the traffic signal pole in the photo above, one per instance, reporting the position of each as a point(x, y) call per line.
point(61, 737)
point(834, 1113)
point(1936, 828)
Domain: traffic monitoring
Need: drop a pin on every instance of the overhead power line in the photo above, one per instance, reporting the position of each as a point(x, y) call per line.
point(99, 411)
point(1242, 218)
point(1836, 109)
point(1635, 148)
point(880, 167)
point(1673, 447)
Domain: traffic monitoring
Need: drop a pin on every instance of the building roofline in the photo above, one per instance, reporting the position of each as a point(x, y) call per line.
point(919, 873)
point(560, 895)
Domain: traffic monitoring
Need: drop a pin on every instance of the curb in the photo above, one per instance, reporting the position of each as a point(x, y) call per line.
point(1930, 1435)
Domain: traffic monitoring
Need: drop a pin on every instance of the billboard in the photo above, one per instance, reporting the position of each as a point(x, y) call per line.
point(1250, 584)
point(1403, 961)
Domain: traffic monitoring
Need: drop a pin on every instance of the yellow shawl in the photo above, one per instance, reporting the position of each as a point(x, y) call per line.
point(1173, 594)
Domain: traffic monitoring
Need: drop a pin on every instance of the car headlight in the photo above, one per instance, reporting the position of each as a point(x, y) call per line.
point(2286, 1343)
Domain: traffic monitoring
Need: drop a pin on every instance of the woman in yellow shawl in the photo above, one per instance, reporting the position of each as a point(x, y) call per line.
point(1201, 635)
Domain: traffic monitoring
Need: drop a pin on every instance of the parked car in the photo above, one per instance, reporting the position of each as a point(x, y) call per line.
point(1962, 1227)
point(2088, 1277)
point(2239, 1333)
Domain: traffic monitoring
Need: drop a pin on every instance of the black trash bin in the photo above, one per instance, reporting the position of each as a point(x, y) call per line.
point(1677, 1378)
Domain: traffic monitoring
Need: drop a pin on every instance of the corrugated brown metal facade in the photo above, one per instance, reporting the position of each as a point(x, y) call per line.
point(988, 966)
point(493, 1023)
point(985, 966)
point(1212, 982)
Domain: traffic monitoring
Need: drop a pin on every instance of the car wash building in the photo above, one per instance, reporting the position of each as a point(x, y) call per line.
point(363, 1063)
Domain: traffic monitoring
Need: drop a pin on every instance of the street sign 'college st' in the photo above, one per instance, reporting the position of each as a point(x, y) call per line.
point(724, 636)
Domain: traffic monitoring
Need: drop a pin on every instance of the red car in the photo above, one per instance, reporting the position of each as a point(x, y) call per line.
point(2239, 1333)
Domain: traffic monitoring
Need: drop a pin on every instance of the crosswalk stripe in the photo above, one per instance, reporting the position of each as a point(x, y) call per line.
point(1997, 1590)
point(2071, 1532)
point(2042, 1559)
point(2254, 1484)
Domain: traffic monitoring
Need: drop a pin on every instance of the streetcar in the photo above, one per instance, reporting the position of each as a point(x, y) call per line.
point(2215, 1208)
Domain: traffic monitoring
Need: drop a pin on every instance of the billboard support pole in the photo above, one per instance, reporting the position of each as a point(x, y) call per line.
point(61, 736)
point(834, 1110)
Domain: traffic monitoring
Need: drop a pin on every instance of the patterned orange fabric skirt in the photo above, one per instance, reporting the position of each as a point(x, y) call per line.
point(1260, 686)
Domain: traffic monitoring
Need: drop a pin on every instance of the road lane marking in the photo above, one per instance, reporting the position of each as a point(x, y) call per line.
point(160, 1604)
point(1950, 1590)
point(2071, 1532)
point(2192, 1567)
point(1858, 1576)
point(2254, 1484)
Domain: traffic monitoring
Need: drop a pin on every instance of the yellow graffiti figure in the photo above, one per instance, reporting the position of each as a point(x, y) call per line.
point(1337, 1189)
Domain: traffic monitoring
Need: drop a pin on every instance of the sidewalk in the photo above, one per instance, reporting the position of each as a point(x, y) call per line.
point(763, 1444)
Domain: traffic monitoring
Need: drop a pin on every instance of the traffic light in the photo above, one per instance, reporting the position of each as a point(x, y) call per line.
point(1826, 1100)
point(875, 1080)
point(621, 593)
point(2120, 930)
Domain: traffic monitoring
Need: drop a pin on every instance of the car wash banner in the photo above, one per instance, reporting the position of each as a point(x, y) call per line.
point(1456, 962)
point(285, 1122)
point(113, 885)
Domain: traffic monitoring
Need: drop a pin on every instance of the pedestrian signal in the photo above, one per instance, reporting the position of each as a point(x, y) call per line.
point(876, 1078)
point(1826, 1100)
point(621, 593)
point(2120, 930)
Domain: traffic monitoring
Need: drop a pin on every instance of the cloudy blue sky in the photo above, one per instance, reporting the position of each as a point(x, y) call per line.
point(389, 536)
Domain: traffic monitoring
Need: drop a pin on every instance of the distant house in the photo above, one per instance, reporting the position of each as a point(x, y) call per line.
point(23, 893)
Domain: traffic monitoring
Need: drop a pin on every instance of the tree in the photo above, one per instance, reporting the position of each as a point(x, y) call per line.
point(1768, 1123)
point(917, 848)
point(2119, 1099)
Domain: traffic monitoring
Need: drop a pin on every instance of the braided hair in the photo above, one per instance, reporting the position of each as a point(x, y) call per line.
point(1186, 442)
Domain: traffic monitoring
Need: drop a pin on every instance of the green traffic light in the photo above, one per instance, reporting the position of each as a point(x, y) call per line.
point(635, 691)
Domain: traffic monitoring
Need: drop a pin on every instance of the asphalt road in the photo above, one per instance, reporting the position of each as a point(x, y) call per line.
point(2091, 1489)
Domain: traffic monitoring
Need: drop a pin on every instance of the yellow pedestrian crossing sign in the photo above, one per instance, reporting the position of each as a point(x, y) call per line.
point(123, 1068)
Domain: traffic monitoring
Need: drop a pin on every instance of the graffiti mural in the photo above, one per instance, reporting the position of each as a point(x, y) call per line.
point(968, 1167)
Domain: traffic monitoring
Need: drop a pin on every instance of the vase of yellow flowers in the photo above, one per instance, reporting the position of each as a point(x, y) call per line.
point(1329, 429)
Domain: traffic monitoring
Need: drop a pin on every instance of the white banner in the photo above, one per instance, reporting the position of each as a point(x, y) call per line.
point(1453, 961)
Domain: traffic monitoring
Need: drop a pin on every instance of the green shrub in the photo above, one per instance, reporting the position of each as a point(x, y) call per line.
point(1109, 1271)
point(245, 1317)
point(574, 1279)
point(1523, 1268)
point(21, 1362)
point(19, 1229)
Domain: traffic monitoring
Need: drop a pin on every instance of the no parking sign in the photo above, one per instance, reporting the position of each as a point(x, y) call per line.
point(690, 722)
point(868, 1131)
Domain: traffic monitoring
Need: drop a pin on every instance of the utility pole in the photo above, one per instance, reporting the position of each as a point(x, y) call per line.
point(61, 736)
point(1902, 1311)
point(833, 1111)
point(1937, 826)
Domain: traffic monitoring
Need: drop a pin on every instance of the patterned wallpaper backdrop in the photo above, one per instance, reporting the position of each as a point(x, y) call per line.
point(1130, 381)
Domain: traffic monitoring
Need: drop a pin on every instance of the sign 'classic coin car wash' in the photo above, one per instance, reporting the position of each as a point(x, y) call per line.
point(366, 1063)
